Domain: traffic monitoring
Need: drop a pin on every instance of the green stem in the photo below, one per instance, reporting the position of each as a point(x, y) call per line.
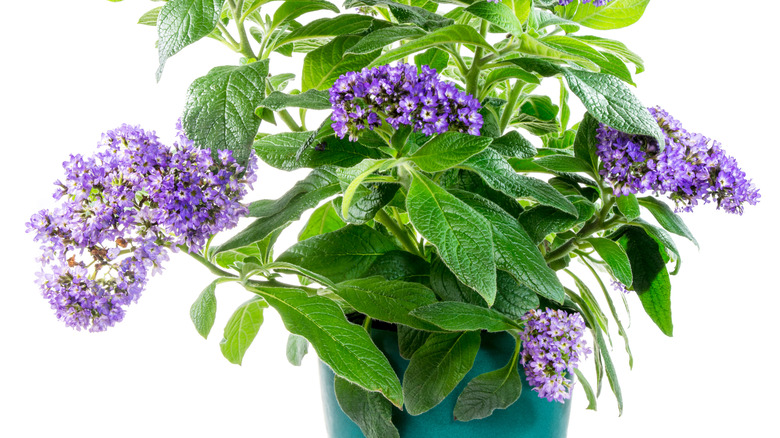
point(231, 42)
point(509, 108)
point(212, 267)
point(472, 77)
point(289, 121)
point(395, 228)
point(244, 47)
point(367, 324)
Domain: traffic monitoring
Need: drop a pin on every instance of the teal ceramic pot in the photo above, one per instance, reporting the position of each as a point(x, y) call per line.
point(529, 417)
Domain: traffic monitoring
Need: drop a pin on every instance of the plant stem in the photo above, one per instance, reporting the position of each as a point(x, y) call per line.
point(472, 77)
point(244, 47)
point(509, 109)
point(231, 42)
point(212, 267)
point(289, 121)
point(395, 228)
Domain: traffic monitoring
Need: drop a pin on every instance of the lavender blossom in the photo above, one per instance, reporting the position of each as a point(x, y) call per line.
point(120, 211)
point(688, 170)
point(552, 346)
point(399, 96)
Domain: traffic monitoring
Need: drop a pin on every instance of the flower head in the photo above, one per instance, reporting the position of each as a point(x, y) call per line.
point(399, 95)
point(120, 211)
point(552, 346)
point(689, 169)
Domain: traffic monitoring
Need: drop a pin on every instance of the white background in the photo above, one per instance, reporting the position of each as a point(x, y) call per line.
point(72, 70)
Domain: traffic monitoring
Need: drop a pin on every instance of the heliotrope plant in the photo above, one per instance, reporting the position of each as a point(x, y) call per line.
point(431, 210)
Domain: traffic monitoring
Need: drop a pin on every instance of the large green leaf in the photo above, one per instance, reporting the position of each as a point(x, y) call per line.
point(610, 101)
point(542, 220)
point(434, 58)
point(292, 9)
point(366, 202)
point(515, 252)
point(181, 23)
point(615, 257)
point(500, 175)
point(273, 215)
point(369, 410)
point(390, 301)
point(437, 367)
point(497, 13)
point(487, 392)
point(415, 15)
point(341, 255)
point(447, 150)
point(536, 48)
point(322, 220)
point(410, 340)
point(628, 205)
point(667, 218)
point(311, 99)
point(614, 47)
point(346, 348)
point(241, 329)
point(447, 286)
point(325, 28)
point(282, 151)
point(204, 310)
point(651, 279)
point(456, 316)
point(512, 144)
point(461, 235)
point(324, 65)
point(514, 299)
point(454, 34)
point(379, 39)
point(220, 109)
point(613, 15)
point(585, 143)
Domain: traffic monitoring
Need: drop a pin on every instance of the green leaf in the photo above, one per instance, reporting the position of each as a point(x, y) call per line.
point(367, 202)
point(613, 15)
point(281, 151)
point(514, 299)
point(521, 9)
point(415, 15)
point(615, 257)
point(324, 65)
point(505, 73)
point(369, 410)
point(389, 301)
point(471, 182)
point(292, 9)
point(497, 13)
point(400, 265)
point(306, 194)
point(220, 109)
point(512, 144)
point(204, 310)
point(297, 347)
point(651, 279)
point(437, 368)
point(325, 28)
point(149, 18)
point(434, 58)
point(628, 205)
point(487, 392)
point(311, 99)
point(447, 150)
point(539, 19)
point(667, 218)
point(500, 175)
point(531, 46)
point(448, 288)
point(585, 143)
point(341, 255)
point(241, 329)
point(564, 163)
point(322, 220)
point(379, 39)
point(587, 388)
point(461, 235)
point(515, 252)
point(611, 102)
point(454, 34)
point(614, 47)
point(345, 347)
point(355, 182)
point(181, 23)
point(410, 340)
point(455, 316)
point(541, 221)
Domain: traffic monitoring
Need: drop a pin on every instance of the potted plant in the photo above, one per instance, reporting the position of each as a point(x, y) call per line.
point(435, 218)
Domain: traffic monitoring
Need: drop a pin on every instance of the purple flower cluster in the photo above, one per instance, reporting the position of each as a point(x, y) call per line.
point(121, 210)
point(596, 3)
point(688, 170)
point(399, 96)
point(552, 345)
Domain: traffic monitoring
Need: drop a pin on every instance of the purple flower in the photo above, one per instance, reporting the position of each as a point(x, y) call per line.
point(689, 169)
point(552, 346)
point(399, 96)
point(120, 211)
